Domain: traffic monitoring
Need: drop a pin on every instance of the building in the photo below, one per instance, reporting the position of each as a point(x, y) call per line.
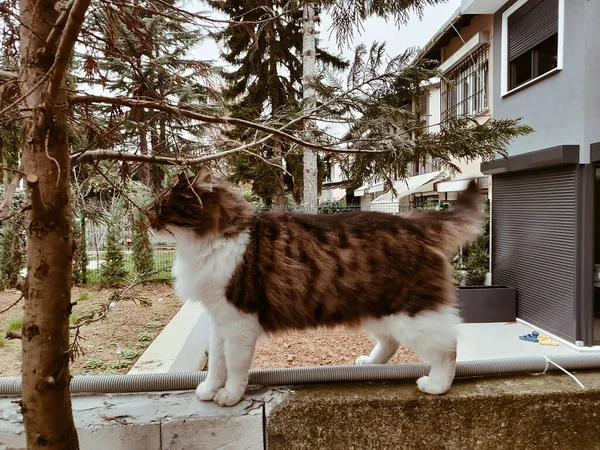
point(544, 64)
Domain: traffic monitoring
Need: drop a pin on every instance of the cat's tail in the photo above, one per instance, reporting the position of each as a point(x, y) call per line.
point(464, 222)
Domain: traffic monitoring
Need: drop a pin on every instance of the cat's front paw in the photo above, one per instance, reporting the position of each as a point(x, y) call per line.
point(206, 393)
point(225, 397)
point(425, 384)
point(362, 360)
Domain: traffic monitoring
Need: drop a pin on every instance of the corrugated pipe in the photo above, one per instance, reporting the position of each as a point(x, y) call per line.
point(177, 381)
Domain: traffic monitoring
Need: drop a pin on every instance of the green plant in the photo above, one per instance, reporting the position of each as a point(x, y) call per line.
point(478, 259)
point(74, 318)
point(112, 272)
point(2, 342)
point(130, 353)
point(154, 324)
point(93, 363)
point(83, 297)
point(143, 260)
point(14, 325)
point(116, 365)
point(147, 336)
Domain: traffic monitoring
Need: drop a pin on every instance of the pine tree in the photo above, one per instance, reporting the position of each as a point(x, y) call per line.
point(112, 271)
point(155, 55)
point(143, 261)
point(266, 81)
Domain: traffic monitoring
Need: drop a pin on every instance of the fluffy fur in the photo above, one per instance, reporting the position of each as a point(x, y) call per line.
point(264, 273)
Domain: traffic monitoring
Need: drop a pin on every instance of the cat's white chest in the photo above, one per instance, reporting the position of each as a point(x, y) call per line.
point(204, 267)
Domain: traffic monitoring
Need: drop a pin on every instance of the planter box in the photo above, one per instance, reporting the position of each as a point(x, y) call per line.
point(483, 304)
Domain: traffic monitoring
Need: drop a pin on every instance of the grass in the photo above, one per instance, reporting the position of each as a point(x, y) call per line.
point(2, 342)
point(74, 318)
point(154, 324)
point(14, 325)
point(83, 297)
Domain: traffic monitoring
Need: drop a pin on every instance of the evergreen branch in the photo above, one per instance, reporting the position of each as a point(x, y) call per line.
point(68, 37)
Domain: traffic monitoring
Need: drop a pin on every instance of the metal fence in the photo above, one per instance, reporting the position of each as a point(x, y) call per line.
point(162, 256)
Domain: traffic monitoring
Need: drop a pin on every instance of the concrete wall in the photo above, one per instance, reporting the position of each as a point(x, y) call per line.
point(563, 108)
point(483, 22)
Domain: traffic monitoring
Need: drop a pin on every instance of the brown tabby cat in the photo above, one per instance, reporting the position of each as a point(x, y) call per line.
point(260, 273)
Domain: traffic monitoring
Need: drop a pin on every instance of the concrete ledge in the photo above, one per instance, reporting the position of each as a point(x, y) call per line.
point(150, 422)
point(182, 345)
point(531, 412)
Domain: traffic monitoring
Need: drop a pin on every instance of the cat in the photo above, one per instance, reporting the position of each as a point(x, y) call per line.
point(261, 273)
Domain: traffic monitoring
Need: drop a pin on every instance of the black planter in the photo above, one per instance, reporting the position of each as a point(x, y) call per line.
point(483, 304)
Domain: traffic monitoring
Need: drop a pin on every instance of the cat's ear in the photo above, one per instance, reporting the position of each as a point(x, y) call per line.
point(204, 176)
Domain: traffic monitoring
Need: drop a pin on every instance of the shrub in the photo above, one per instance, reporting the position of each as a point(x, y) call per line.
point(146, 336)
point(143, 261)
point(112, 272)
point(80, 258)
point(93, 363)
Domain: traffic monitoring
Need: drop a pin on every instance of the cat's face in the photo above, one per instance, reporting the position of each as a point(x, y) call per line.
point(192, 203)
point(202, 204)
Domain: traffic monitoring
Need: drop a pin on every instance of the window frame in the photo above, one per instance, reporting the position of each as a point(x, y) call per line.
point(470, 96)
point(504, 63)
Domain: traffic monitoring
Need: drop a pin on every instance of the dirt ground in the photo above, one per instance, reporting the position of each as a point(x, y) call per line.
point(111, 345)
point(339, 346)
point(115, 343)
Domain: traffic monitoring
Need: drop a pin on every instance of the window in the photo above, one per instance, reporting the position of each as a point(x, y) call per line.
point(532, 41)
point(468, 93)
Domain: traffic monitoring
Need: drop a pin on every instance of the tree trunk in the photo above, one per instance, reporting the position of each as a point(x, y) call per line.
point(308, 94)
point(46, 398)
point(145, 167)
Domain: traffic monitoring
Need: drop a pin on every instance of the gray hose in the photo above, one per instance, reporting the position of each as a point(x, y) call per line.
point(177, 381)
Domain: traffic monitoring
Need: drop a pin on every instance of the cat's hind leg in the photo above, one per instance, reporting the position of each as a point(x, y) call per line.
point(432, 334)
point(385, 344)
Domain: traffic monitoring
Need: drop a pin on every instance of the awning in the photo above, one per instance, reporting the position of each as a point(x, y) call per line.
point(409, 186)
point(460, 185)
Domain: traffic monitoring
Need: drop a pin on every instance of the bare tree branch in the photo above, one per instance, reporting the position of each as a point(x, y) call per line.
point(51, 47)
point(37, 203)
point(100, 155)
point(139, 103)
point(5, 75)
point(10, 193)
point(68, 39)
point(12, 305)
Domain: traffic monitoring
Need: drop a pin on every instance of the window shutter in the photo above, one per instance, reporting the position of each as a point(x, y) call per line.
point(530, 25)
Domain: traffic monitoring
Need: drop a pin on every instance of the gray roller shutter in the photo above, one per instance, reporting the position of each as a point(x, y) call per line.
point(531, 25)
point(534, 245)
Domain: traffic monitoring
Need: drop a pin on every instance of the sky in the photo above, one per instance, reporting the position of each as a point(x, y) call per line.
point(414, 34)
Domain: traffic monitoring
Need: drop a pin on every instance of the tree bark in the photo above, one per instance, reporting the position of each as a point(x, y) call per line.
point(45, 370)
point(310, 186)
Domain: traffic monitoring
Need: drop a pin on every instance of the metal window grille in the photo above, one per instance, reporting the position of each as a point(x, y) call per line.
point(468, 93)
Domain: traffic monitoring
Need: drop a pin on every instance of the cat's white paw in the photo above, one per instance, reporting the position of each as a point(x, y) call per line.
point(225, 397)
point(206, 393)
point(429, 387)
point(362, 360)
